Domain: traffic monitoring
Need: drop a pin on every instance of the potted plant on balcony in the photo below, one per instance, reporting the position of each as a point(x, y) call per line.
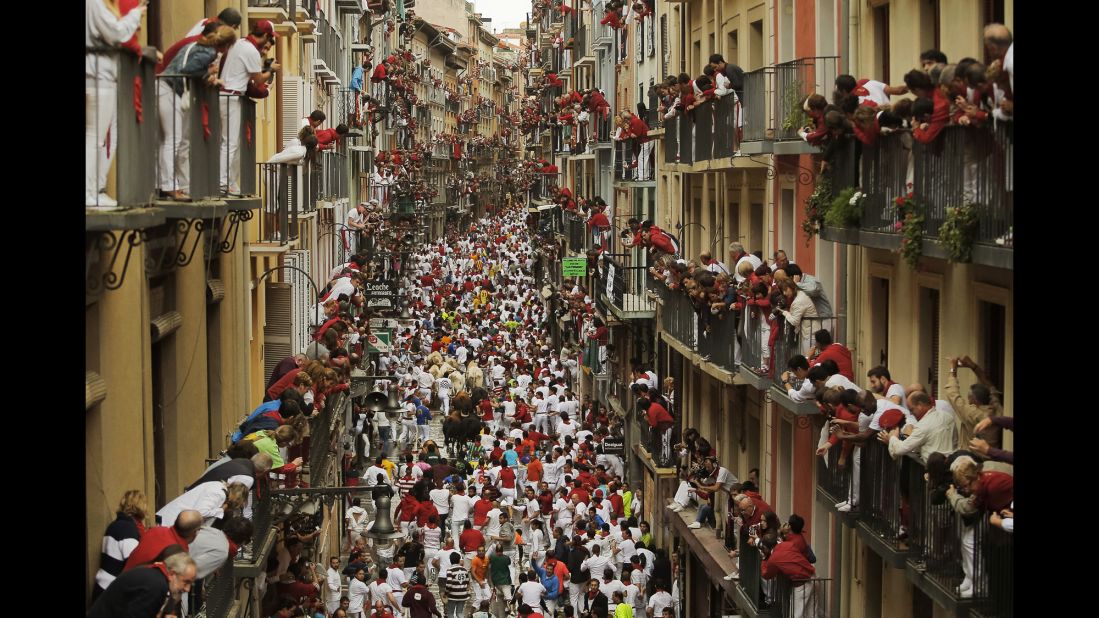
point(958, 232)
point(910, 227)
point(796, 117)
point(845, 209)
point(816, 206)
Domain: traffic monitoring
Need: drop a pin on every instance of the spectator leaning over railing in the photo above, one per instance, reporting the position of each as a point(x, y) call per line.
point(975, 492)
point(798, 311)
point(120, 539)
point(155, 540)
point(104, 28)
point(983, 401)
point(717, 479)
point(1001, 48)
point(981, 447)
point(193, 60)
point(933, 431)
point(147, 591)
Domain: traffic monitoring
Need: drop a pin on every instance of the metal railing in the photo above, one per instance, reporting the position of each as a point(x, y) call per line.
point(686, 139)
point(679, 319)
point(967, 165)
point(280, 4)
point(994, 570)
point(725, 121)
point(279, 222)
point(749, 561)
point(704, 131)
point(833, 480)
point(793, 340)
point(604, 35)
point(800, 599)
point(624, 286)
point(885, 171)
point(717, 336)
point(756, 352)
point(794, 81)
point(880, 493)
point(133, 135)
point(843, 164)
point(219, 590)
point(623, 159)
point(190, 137)
point(238, 121)
point(603, 126)
point(575, 231)
point(671, 140)
point(334, 179)
point(757, 87)
point(580, 42)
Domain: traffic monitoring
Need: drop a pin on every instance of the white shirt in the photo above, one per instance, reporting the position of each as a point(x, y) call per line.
point(206, 498)
point(379, 592)
point(658, 601)
point(595, 565)
point(492, 526)
point(241, 62)
point(460, 505)
point(371, 475)
point(441, 499)
point(934, 433)
point(751, 259)
point(334, 580)
point(531, 593)
point(355, 217)
point(103, 29)
point(356, 593)
point(877, 92)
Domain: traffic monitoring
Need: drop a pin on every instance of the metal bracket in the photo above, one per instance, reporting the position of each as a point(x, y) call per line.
point(805, 176)
point(185, 226)
point(112, 279)
point(229, 241)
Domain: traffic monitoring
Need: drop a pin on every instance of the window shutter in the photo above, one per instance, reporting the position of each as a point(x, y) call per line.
point(293, 92)
point(664, 44)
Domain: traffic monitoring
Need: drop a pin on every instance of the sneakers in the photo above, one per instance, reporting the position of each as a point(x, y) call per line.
point(694, 525)
point(731, 576)
point(965, 590)
point(846, 508)
point(101, 202)
point(674, 506)
point(839, 504)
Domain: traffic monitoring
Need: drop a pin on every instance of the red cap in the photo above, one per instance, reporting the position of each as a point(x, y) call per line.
point(891, 419)
point(265, 27)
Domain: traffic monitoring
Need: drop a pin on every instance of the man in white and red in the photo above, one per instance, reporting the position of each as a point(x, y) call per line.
point(788, 561)
point(869, 91)
point(642, 145)
point(242, 66)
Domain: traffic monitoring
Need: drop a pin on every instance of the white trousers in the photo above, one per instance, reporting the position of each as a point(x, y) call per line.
point(682, 494)
point(444, 402)
point(174, 142)
point(802, 601)
point(576, 591)
point(644, 169)
point(968, 547)
point(100, 107)
point(856, 469)
point(229, 154)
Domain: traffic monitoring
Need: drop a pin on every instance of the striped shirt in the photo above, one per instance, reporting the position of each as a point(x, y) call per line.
point(119, 542)
point(444, 386)
point(457, 583)
point(432, 536)
point(406, 483)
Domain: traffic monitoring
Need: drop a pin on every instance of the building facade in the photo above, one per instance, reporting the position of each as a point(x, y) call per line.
point(714, 185)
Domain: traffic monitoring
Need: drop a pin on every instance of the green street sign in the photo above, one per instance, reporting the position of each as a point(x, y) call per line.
point(574, 266)
point(379, 342)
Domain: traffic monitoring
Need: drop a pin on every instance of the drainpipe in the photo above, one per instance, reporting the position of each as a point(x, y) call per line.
point(851, 25)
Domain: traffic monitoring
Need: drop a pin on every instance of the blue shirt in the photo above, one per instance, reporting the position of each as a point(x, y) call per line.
point(423, 415)
point(357, 78)
point(511, 457)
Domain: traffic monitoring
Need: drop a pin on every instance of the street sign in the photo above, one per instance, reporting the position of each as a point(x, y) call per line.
point(383, 323)
point(574, 266)
point(380, 295)
point(378, 343)
point(614, 446)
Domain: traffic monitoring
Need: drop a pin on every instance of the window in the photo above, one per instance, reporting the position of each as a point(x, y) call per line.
point(786, 30)
point(992, 333)
point(732, 49)
point(786, 221)
point(826, 25)
point(756, 225)
point(879, 320)
point(881, 33)
point(755, 45)
point(665, 51)
point(929, 339)
point(785, 494)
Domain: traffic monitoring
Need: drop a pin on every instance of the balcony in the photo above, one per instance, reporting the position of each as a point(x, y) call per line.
point(628, 168)
point(834, 483)
point(758, 130)
point(794, 81)
point(965, 166)
point(277, 11)
point(193, 164)
point(333, 176)
point(604, 35)
point(623, 289)
point(575, 232)
point(764, 362)
point(285, 189)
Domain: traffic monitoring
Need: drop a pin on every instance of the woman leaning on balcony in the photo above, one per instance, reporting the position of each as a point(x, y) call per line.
point(195, 60)
point(799, 308)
